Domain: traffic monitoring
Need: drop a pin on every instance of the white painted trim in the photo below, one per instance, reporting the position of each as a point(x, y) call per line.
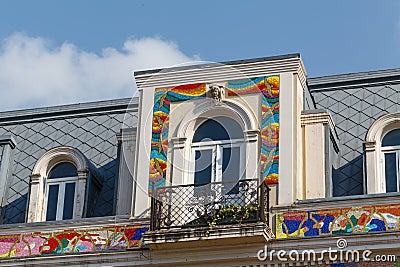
point(207, 108)
point(182, 167)
point(317, 118)
point(221, 72)
point(376, 182)
point(61, 182)
point(37, 194)
point(217, 153)
point(127, 143)
point(288, 120)
point(58, 155)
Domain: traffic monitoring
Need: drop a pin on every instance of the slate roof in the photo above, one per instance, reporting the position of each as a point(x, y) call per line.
point(89, 127)
point(355, 101)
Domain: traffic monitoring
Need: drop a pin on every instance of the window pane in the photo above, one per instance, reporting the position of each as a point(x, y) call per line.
point(391, 172)
point(64, 169)
point(392, 138)
point(69, 201)
point(218, 128)
point(52, 203)
point(203, 166)
point(231, 169)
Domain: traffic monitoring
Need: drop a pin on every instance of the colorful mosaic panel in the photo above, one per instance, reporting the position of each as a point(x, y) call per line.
point(269, 87)
point(382, 218)
point(163, 97)
point(109, 238)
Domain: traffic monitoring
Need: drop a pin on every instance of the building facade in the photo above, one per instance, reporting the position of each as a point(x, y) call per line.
point(241, 163)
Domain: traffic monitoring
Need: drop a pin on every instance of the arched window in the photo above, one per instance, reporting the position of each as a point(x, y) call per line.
point(60, 192)
point(382, 155)
point(391, 155)
point(217, 152)
point(63, 185)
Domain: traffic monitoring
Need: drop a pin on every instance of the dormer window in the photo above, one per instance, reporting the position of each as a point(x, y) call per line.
point(391, 156)
point(64, 185)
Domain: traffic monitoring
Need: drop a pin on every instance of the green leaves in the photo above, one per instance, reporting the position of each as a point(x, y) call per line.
point(232, 213)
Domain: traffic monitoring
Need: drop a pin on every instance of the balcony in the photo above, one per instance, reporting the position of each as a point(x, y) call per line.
point(210, 204)
point(207, 211)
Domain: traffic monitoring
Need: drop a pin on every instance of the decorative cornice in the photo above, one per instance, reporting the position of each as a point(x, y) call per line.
point(82, 174)
point(370, 146)
point(34, 178)
point(178, 142)
point(319, 118)
point(221, 72)
point(252, 135)
point(8, 140)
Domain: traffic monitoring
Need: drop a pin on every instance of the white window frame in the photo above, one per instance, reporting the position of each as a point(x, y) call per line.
point(37, 206)
point(374, 152)
point(61, 182)
point(217, 147)
point(184, 128)
point(389, 150)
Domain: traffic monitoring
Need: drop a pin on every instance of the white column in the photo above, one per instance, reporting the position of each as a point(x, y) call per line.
point(141, 200)
point(126, 140)
point(180, 162)
point(375, 181)
point(252, 138)
point(314, 161)
point(287, 126)
point(35, 209)
point(81, 193)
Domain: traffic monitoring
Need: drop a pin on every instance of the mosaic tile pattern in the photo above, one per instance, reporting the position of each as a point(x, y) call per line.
point(109, 238)
point(269, 87)
point(382, 218)
point(163, 97)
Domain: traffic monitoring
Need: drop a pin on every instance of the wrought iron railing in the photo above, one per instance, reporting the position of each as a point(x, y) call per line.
point(209, 204)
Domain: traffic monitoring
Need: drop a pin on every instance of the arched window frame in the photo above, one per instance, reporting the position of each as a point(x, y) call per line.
point(208, 108)
point(374, 156)
point(38, 181)
point(392, 150)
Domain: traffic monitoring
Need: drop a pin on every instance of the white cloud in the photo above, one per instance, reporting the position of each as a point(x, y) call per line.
point(33, 73)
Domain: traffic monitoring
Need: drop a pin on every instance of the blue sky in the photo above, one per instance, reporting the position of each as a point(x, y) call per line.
point(56, 52)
